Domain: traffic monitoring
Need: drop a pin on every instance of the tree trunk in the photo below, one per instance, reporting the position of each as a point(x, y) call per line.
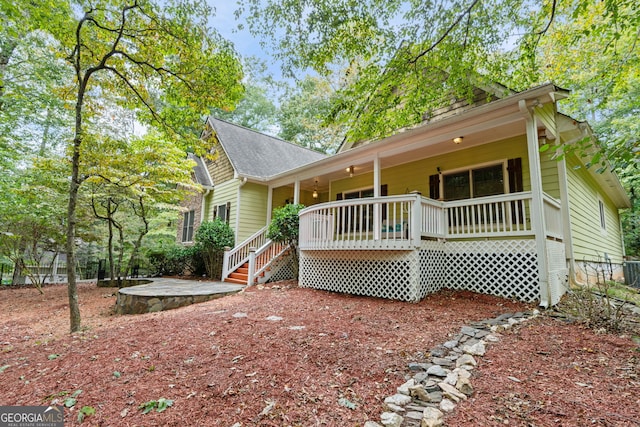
point(74, 185)
point(112, 265)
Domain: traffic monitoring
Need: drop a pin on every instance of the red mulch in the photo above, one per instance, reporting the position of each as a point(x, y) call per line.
point(219, 369)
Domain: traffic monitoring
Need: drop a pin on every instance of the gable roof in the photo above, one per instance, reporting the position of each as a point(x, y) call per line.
point(256, 155)
point(200, 171)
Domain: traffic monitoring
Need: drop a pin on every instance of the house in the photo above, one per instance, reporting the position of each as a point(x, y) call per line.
point(235, 179)
point(464, 200)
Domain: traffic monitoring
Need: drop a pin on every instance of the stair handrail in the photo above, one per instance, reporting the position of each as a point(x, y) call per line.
point(262, 258)
point(238, 255)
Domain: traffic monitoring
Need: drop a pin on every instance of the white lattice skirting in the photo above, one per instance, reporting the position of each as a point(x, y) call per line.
point(506, 268)
point(558, 271)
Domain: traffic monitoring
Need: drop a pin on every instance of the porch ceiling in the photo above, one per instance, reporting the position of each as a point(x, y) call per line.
point(420, 149)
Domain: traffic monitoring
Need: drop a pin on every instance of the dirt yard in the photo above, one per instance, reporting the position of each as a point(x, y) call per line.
point(284, 356)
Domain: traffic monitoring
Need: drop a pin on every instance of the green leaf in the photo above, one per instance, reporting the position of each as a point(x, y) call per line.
point(70, 402)
point(117, 374)
point(4, 368)
point(544, 147)
point(164, 404)
point(53, 356)
point(85, 412)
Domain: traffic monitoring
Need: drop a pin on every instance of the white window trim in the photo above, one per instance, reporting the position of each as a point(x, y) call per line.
point(602, 215)
point(188, 215)
point(356, 190)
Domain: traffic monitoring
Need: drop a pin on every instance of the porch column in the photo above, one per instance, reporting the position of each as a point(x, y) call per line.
point(296, 192)
point(537, 208)
point(377, 214)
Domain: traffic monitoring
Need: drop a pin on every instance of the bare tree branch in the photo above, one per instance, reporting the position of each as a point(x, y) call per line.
point(447, 32)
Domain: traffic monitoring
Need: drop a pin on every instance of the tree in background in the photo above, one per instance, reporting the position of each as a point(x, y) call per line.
point(304, 114)
point(159, 60)
point(256, 110)
point(129, 183)
point(32, 223)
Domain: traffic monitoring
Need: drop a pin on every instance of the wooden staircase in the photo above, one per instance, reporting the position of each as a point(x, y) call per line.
point(241, 275)
point(256, 252)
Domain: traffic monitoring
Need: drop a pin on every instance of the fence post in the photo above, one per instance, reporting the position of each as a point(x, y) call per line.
point(225, 263)
point(252, 265)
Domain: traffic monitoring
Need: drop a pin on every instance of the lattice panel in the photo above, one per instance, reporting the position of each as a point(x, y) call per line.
point(282, 269)
point(385, 274)
point(433, 267)
point(506, 268)
point(558, 271)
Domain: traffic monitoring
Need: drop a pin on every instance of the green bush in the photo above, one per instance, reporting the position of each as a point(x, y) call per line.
point(285, 228)
point(211, 239)
point(177, 260)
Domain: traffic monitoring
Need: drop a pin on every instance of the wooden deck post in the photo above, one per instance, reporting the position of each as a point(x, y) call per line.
point(252, 265)
point(537, 208)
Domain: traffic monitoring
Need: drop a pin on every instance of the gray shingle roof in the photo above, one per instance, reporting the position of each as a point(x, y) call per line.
point(200, 171)
point(255, 154)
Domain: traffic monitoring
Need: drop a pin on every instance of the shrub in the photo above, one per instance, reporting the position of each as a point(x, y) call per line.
point(285, 227)
point(211, 239)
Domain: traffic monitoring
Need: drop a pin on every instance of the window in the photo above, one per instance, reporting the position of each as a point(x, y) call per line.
point(475, 182)
point(359, 216)
point(222, 212)
point(187, 226)
point(603, 223)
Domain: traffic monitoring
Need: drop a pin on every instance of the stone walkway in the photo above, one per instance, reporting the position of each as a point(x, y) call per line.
point(435, 387)
point(168, 293)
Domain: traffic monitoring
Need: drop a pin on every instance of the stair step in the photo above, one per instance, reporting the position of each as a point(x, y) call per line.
point(237, 281)
point(236, 275)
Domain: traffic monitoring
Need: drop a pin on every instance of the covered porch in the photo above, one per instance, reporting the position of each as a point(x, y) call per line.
point(407, 246)
point(467, 202)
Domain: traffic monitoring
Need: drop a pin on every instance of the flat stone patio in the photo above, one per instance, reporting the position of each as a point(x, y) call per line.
point(168, 293)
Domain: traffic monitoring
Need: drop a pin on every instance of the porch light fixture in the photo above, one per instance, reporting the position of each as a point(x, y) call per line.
point(350, 170)
point(315, 190)
point(457, 139)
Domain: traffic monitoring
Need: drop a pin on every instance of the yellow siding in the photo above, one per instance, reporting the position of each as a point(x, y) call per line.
point(590, 242)
point(414, 176)
point(208, 210)
point(549, 171)
point(282, 196)
point(223, 194)
point(253, 207)
point(549, 166)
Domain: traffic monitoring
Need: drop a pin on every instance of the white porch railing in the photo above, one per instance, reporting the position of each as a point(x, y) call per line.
point(400, 222)
point(262, 259)
point(552, 217)
point(237, 256)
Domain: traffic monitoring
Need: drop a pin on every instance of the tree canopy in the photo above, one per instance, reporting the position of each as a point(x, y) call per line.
point(158, 64)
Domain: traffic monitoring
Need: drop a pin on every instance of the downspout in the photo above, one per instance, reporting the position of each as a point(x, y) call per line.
point(537, 208)
point(203, 208)
point(243, 181)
